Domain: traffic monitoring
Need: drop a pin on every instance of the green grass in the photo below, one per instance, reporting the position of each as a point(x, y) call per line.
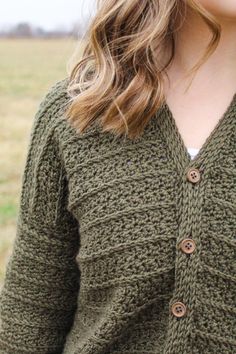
point(8, 212)
point(28, 68)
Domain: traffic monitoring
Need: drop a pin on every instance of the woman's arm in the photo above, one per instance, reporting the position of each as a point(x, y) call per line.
point(39, 295)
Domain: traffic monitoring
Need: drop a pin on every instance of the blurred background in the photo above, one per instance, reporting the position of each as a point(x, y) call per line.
point(39, 41)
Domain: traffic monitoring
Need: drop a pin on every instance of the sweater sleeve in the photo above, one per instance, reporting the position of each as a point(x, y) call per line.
point(40, 289)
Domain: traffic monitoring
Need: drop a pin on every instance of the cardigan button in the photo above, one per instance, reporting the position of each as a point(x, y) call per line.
point(187, 245)
point(178, 309)
point(193, 175)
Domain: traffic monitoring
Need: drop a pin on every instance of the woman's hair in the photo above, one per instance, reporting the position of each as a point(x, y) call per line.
point(119, 81)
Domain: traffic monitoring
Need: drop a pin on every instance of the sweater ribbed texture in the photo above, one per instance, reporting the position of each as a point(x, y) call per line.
point(96, 264)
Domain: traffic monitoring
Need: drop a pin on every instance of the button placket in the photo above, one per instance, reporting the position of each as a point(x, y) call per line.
point(187, 245)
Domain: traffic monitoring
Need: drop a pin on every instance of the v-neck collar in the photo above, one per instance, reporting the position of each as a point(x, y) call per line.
point(210, 148)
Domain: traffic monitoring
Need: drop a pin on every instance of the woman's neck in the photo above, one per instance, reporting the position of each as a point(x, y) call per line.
point(191, 42)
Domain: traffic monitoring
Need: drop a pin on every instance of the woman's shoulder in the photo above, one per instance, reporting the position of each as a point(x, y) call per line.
point(52, 110)
point(54, 99)
point(50, 117)
point(47, 117)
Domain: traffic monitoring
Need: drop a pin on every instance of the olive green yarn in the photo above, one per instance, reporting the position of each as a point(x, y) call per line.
point(96, 266)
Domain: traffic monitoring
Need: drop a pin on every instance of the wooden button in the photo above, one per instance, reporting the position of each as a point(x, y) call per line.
point(187, 245)
point(193, 175)
point(178, 309)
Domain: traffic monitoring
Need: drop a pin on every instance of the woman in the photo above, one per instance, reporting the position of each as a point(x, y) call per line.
point(125, 243)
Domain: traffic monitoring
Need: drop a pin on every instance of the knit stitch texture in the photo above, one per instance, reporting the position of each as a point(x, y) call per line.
point(96, 264)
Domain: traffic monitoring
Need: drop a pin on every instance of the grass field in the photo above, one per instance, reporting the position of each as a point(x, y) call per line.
point(28, 68)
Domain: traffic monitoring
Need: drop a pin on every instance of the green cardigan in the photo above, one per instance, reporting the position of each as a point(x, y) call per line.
point(122, 246)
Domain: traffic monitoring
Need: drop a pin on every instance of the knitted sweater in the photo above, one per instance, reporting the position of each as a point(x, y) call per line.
point(123, 246)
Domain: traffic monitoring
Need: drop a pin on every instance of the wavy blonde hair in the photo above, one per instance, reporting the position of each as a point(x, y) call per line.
point(119, 80)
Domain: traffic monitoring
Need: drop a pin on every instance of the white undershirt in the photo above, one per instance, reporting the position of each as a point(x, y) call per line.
point(192, 151)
